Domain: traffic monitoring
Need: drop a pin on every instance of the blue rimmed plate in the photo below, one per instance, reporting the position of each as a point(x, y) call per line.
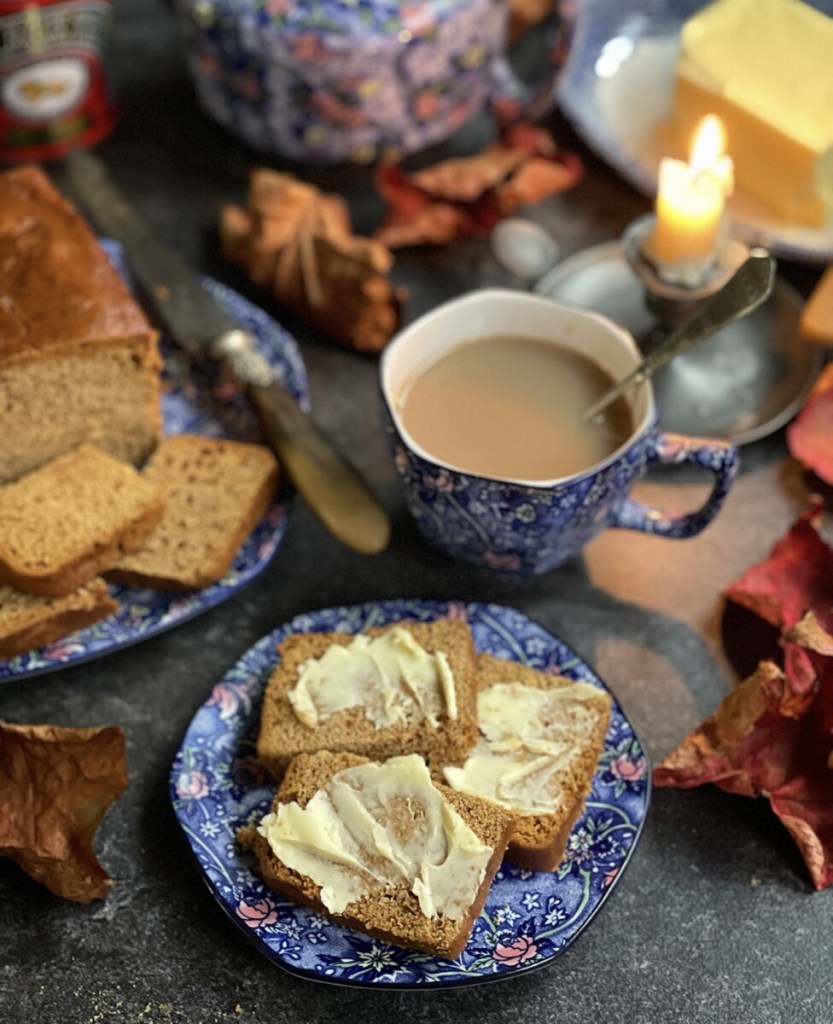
point(188, 405)
point(616, 87)
point(216, 785)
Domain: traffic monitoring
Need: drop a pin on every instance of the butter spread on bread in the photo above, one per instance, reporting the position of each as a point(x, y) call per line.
point(450, 736)
point(378, 825)
point(391, 676)
point(540, 737)
point(527, 742)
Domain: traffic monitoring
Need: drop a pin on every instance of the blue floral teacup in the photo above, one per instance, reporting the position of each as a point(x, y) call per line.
point(520, 527)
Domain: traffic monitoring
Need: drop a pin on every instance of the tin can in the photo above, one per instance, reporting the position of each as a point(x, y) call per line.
point(55, 90)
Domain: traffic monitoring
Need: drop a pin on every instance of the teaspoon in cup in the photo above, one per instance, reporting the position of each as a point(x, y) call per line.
point(741, 294)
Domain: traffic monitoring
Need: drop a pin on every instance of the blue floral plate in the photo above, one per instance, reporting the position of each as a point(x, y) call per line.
point(617, 87)
point(217, 785)
point(201, 407)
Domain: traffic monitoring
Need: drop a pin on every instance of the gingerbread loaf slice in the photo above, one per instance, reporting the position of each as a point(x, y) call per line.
point(407, 688)
point(79, 360)
point(27, 621)
point(540, 739)
point(381, 849)
point(65, 522)
point(216, 492)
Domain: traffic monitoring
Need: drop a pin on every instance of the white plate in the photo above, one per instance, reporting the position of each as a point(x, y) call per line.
point(616, 88)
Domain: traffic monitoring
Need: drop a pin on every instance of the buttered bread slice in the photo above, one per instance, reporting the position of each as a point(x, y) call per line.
point(540, 738)
point(381, 848)
point(408, 688)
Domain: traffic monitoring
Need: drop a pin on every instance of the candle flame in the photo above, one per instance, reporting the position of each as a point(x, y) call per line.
point(708, 144)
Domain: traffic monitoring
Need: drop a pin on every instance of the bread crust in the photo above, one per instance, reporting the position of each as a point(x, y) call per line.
point(372, 913)
point(47, 620)
point(282, 736)
point(52, 243)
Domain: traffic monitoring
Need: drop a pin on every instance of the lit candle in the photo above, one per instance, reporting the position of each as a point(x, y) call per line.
point(691, 199)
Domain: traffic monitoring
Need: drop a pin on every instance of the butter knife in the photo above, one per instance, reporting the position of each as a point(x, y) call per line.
point(331, 486)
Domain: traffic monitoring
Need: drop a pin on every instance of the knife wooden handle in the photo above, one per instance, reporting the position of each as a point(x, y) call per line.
point(331, 487)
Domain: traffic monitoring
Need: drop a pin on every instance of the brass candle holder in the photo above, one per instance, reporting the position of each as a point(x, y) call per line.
point(741, 384)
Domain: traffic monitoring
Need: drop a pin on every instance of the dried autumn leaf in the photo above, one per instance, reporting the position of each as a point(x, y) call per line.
point(296, 242)
point(810, 435)
point(467, 196)
point(744, 747)
point(796, 578)
point(749, 746)
point(773, 734)
point(55, 786)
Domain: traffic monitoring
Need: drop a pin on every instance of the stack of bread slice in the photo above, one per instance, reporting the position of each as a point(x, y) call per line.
point(366, 734)
point(86, 514)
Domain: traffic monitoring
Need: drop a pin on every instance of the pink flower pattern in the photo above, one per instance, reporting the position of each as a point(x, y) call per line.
point(259, 914)
point(517, 952)
point(192, 785)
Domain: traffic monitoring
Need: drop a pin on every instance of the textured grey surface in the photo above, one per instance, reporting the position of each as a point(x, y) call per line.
point(714, 921)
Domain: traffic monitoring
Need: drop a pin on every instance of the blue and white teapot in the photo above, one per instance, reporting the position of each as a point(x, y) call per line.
point(331, 81)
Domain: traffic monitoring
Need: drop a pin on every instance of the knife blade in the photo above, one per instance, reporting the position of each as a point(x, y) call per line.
point(190, 316)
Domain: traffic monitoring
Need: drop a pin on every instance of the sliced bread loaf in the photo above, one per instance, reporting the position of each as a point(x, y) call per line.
point(216, 492)
point(78, 358)
point(381, 849)
point(540, 738)
point(63, 523)
point(408, 688)
point(27, 621)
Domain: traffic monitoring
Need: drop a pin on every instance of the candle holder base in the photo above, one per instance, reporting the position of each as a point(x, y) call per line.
point(742, 384)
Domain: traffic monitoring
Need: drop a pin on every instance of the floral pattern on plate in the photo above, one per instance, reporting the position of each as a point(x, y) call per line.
point(217, 785)
point(199, 406)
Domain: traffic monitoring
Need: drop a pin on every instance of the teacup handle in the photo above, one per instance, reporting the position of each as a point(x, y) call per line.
point(718, 457)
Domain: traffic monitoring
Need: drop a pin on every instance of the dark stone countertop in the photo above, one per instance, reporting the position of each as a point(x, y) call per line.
point(714, 920)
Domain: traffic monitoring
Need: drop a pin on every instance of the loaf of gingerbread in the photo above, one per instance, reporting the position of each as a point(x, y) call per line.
point(79, 360)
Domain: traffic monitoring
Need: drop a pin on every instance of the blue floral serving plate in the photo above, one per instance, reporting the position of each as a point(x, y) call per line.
point(200, 407)
point(529, 918)
point(617, 88)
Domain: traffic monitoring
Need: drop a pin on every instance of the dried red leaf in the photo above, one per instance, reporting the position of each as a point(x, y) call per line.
point(296, 242)
point(749, 746)
point(467, 196)
point(773, 734)
point(810, 435)
point(796, 577)
point(56, 784)
point(744, 747)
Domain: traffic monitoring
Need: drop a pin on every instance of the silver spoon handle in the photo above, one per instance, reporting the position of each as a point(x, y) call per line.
point(742, 293)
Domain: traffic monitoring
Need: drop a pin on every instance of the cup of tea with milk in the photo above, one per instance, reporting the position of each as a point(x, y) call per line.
point(485, 397)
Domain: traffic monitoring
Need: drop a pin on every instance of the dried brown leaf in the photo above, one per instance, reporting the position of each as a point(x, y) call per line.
point(467, 196)
point(56, 784)
point(296, 242)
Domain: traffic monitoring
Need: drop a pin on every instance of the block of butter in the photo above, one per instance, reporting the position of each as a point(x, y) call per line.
point(765, 67)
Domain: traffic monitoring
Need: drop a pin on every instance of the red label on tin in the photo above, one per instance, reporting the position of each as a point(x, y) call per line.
point(54, 90)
